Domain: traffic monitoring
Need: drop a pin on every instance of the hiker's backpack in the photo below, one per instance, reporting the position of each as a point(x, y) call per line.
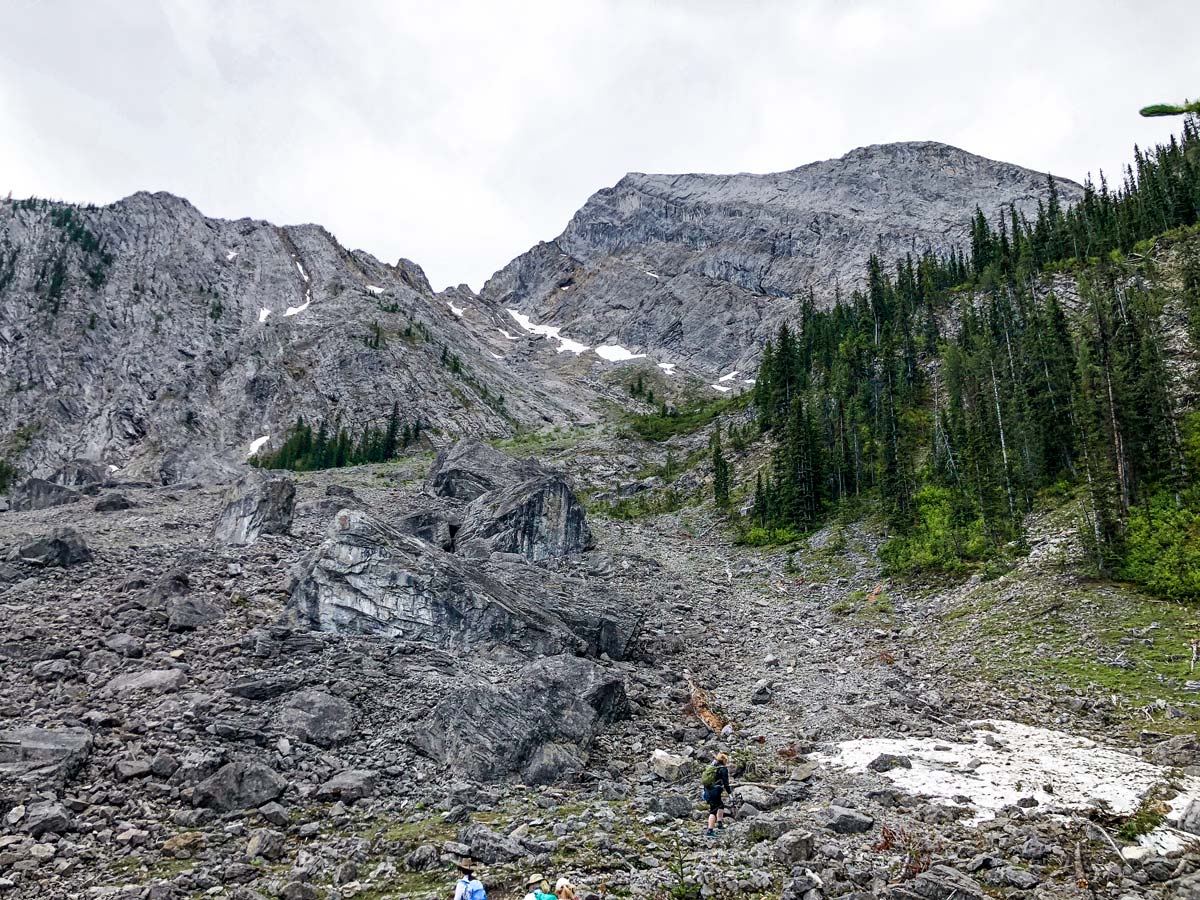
point(709, 778)
point(474, 890)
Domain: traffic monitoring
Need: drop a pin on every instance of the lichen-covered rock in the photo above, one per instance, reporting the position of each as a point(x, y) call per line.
point(490, 732)
point(256, 504)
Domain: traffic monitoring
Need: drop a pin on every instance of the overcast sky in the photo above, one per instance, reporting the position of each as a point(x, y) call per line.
point(458, 134)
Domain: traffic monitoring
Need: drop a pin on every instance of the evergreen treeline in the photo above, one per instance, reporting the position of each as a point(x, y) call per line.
point(333, 448)
point(954, 390)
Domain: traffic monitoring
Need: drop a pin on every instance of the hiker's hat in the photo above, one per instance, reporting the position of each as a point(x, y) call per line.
point(534, 880)
point(465, 863)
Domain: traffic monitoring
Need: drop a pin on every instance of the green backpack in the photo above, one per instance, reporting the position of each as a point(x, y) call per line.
point(709, 778)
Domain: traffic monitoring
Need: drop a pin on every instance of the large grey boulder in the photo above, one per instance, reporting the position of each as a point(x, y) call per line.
point(939, 883)
point(79, 473)
point(349, 785)
point(471, 468)
point(38, 493)
point(256, 504)
point(318, 718)
point(369, 578)
point(60, 547)
point(42, 757)
point(489, 732)
point(238, 785)
point(539, 519)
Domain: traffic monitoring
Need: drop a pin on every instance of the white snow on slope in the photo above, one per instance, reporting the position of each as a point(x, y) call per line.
point(748, 381)
point(732, 374)
point(374, 289)
point(550, 331)
point(669, 368)
point(263, 313)
point(1003, 762)
point(652, 275)
point(457, 310)
point(294, 310)
point(256, 444)
point(511, 337)
point(495, 354)
point(230, 255)
point(721, 388)
point(617, 353)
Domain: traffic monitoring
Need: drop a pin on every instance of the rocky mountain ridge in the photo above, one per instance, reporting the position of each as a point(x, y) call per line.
point(702, 268)
point(164, 343)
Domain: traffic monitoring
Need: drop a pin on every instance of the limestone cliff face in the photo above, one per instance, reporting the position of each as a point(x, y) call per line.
point(701, 268)
point(150, 337)
point(146, 336)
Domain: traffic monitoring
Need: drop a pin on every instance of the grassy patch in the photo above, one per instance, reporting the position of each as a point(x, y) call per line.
point(1102, 638)
point(670, 421)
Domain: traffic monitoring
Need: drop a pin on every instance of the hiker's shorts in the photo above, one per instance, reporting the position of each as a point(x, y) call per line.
point(713, 799)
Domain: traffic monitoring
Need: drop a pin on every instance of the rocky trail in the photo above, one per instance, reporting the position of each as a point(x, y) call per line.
point(327, 685)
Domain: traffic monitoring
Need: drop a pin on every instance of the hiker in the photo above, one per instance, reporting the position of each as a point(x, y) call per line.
point(469, 887)
point(564, 890)
point(715, 780)
point(539, 888)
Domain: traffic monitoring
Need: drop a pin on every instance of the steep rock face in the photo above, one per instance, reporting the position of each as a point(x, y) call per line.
point(471, 468)
point(488, 732)
point(146, 336)
point(256, 504)
point(369, 578)
point(701, 268)
point(516, 506)
point(539, 519)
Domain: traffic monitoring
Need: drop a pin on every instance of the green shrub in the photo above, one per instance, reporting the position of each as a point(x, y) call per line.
point(941, 539)
point(670, 421)
point(765, 537)
point(1162, 546)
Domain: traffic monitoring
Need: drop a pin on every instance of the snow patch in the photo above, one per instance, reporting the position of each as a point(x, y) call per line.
point(457, 310)
point(669, 368)
point(565, 287)
point(511, 337)
point(374, 289)
point(1003, 762)
point(263, 313)
point(495, 354)
point(617, 353)
point(748, 381)
point(256, 444)
point(294, 310)
point(721, 388)
point(731, 375)
point(550, 331)
point(230, 255)
point(652, 275)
